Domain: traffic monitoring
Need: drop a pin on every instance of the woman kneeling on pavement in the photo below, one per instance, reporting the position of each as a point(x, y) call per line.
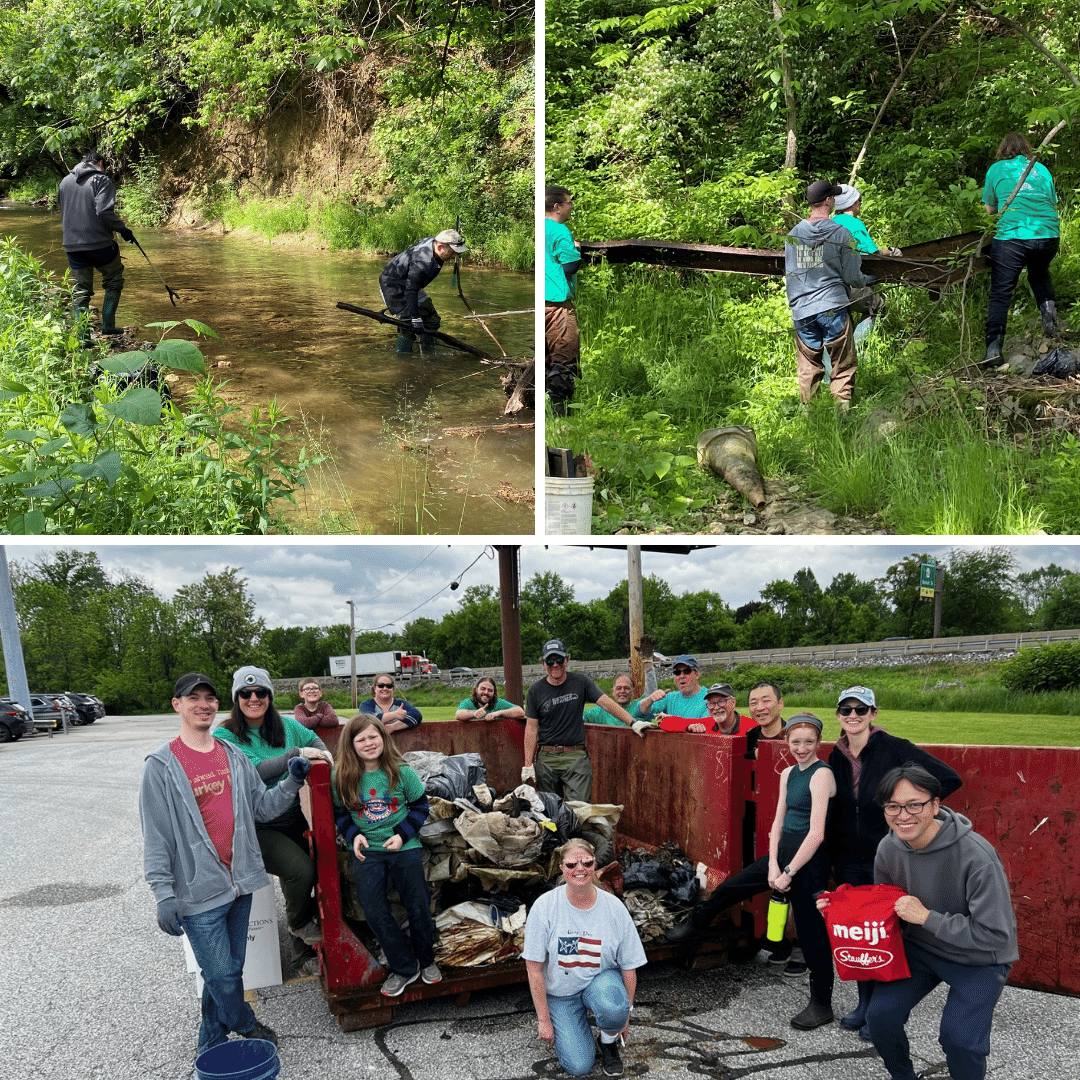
point(797, 863)
point(582, 951)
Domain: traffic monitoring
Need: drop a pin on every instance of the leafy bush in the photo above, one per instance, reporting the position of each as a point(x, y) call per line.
point(140, 200)
point(1051, 667)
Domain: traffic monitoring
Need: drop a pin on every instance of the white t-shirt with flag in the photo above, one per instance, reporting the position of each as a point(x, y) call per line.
point(575, 946)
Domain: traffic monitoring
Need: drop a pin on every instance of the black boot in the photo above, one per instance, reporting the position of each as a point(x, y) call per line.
point(404, 343)
point(857, 1017)
point(1049, 318)
point(108, 313)
point(683, 931)
point(427, 344)
point(993, 356)
point(819, 1011)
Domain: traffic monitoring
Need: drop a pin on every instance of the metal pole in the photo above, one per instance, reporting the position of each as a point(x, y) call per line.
point(18, 687)
point(510, 610)
point(637, 616)
point(352, 647)
point(939, 588)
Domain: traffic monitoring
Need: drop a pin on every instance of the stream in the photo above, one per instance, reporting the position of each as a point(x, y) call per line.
point(380, 416)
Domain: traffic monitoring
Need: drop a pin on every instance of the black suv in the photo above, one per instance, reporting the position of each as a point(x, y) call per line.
point(15, 721)
point(89, 707)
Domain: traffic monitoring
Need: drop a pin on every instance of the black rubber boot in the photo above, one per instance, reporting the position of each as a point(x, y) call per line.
point(819, 1011)
point(857, 1017)
point(683, 931)
point(993, 356)
point(1048, 310)
point(108, 313)
point(404, 344)
point(427, 344)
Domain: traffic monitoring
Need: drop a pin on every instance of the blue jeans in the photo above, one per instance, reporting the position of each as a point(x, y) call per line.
point(606, 997)
point(406, 870)
point(964, 1034)
point(825, 326)
point(218, 938)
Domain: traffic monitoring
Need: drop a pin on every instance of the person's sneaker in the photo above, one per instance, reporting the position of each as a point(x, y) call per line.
point(260, 1031)
point(779, 956)
point(814, 1015)
point(431, 974)
point(609, 1057)
point(395, 985)
point(311, 934)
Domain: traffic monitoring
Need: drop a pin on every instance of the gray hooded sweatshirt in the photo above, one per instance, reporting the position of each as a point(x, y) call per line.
point(820, 264)
point(959, 877)
point(87, 200)
point(179, 858)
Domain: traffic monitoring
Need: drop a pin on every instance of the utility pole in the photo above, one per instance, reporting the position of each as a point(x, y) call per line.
point(352, 648)
point(18, 687)
point(939, 591)
point(637, 617)
point(510, 613)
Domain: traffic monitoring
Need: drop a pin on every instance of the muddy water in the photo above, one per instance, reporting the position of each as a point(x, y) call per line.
point(380, 415)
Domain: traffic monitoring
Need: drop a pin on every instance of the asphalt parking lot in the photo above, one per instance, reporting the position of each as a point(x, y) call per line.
point(93, 989)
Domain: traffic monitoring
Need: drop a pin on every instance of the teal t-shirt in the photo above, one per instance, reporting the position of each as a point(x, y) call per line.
point(676, 704)
point(558, 250)
point(380, 809)
point(258, 750)
point(1032, 215)
point(498, 706)
point(859, 233)
point(596, 715)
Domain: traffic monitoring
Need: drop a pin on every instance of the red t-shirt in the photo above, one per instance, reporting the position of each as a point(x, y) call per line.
point(211, 784)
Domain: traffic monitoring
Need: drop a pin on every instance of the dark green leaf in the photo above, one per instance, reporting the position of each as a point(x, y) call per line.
point(181, 355)
point(79, 419)
point(140, 405)
point(124, 363)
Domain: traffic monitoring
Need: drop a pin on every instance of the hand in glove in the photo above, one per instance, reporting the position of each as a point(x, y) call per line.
point(639, 727)
point(896, 252)
point(528, 772)
point(418, 326)
point(127, 235)
point(299, 767)
point(168, 916)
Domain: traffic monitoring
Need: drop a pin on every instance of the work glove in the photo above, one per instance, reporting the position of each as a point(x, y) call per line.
point(299, 767)
point(168, 916)
point(418, 326)
point(896, 252)
point(639, 727)
point(127, 235)
point(528, 772)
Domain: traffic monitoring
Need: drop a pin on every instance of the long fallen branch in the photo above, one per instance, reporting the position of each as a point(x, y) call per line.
point(496, 314)
point(378, 316)
point(480, 430)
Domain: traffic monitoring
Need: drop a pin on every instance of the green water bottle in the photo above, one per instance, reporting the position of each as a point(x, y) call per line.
point(778, 912)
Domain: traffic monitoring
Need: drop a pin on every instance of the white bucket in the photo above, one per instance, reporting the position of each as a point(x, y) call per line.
point(568, 505)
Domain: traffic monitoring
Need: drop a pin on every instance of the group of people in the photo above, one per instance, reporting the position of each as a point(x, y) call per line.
point(823, 274)
point(220, 807)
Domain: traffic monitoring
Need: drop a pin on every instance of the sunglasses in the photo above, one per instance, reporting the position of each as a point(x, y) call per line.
point(554, 661)
point(588, 864)
point(260, 693)
point(682, 671)
point(384, 686)
point(847, 710)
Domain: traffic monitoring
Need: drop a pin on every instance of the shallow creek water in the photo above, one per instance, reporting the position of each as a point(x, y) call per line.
point(337, 374)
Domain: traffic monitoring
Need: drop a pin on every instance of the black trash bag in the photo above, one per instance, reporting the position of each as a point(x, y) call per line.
point(1059, 363)
point(566, 822)
point(645, 874)
point(683, 885)
point(457, 776)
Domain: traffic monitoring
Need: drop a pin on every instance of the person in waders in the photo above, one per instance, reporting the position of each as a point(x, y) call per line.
point(402, 284)
point(87, 199)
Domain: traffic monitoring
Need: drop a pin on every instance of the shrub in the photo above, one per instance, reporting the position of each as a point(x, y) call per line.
point(1052, 667)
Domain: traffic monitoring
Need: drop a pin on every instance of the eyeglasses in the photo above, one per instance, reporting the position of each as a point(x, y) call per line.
point(554, 661)
point(892, 809)
point(682, 671)
point(260, 693)
point(588, 864)
point(847, 710)
point(384, 686)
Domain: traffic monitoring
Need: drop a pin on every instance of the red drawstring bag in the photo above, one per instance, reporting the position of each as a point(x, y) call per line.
point(865, 932)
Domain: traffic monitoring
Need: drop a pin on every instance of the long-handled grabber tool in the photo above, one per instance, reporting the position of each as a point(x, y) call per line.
point(173, 296)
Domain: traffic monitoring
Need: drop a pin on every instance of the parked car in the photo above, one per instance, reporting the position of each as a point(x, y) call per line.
point(53, 711)
point(89, 707)
point(15, 721)
point(462, 672)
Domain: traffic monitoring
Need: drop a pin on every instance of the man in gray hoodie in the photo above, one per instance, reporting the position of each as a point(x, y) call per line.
point(960, 928)
point(821, 264)
point(88, 215)
point(199, 801)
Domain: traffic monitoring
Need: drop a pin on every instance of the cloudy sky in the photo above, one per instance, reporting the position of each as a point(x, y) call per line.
point(308, 583)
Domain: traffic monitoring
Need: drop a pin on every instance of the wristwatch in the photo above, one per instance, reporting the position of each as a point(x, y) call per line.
point(789, 871)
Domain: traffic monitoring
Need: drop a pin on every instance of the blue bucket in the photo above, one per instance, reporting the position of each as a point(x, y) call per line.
point(239, 1059)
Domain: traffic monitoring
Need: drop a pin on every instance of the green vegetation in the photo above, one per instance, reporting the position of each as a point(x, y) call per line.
point(89, 443)
point(1055, 667)
point(673, 122)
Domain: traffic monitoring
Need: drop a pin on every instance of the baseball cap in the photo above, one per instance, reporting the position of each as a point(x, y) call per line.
point(554, 647)
point(186, 683)
point(820, 190)
point(849, 196)
point(688, 660)
point(249, 677)
point(452, 238)
point(804, 718)
point(722, 688)
point(859, 693)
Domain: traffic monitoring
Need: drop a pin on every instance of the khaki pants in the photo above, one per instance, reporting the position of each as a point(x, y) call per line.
point(562, 350)
point(572, 772)
point(811, 369)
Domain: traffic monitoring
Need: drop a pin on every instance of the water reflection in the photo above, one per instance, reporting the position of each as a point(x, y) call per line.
point(382, 416)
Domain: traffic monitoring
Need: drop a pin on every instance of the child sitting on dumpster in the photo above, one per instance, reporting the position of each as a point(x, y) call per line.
point(379, 806)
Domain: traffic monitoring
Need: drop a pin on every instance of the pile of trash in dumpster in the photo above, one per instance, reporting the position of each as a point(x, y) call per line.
point(487, 857)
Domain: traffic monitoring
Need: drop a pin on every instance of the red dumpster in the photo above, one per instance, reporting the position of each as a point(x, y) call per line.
point(692, 789)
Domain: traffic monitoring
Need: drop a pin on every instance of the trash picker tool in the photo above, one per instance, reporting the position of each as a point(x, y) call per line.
point(173, 296)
